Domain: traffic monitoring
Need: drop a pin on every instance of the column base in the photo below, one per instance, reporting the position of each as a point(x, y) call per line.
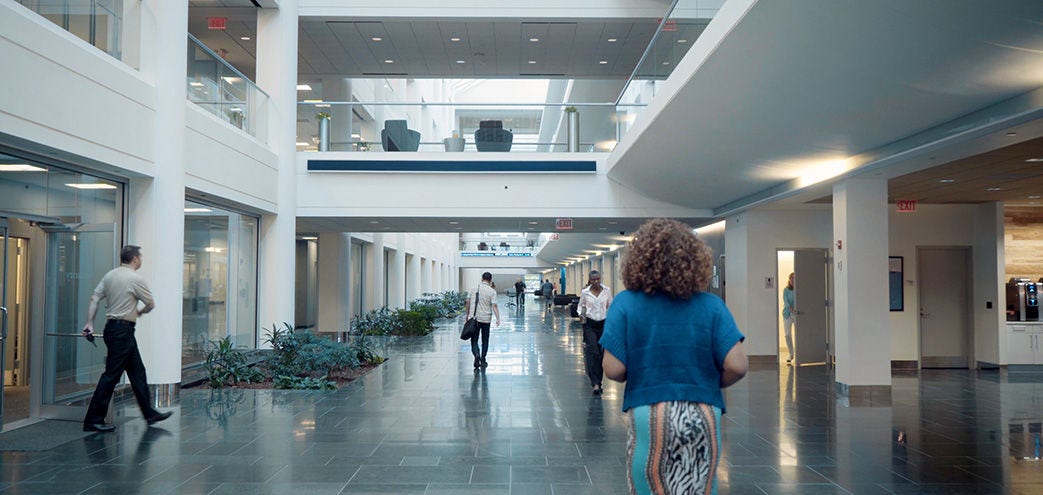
point(164, 394)
point(864, 395)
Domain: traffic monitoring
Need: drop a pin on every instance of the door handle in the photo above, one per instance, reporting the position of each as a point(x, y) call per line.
point(3, 323)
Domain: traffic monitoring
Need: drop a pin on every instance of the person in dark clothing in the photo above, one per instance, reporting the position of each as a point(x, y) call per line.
point(519, 289)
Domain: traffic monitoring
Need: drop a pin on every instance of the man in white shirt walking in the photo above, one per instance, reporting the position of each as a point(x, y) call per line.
point(593, 306)
point(484, 302)
point(124, 289)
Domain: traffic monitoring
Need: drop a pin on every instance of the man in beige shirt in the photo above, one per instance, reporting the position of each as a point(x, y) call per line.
point(484, 304)
point(124, 289)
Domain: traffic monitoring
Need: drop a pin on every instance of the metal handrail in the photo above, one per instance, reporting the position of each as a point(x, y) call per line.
point(648, 50)
point(468, 104)
point(225, 63)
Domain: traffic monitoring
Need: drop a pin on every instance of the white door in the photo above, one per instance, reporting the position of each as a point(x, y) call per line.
point(944, 287)
point(811, 325)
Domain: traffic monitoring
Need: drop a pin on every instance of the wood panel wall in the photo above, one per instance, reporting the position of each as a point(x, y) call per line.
point(1023, 241)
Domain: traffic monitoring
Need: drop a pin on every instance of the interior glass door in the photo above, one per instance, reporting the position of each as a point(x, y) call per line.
point(77, 258)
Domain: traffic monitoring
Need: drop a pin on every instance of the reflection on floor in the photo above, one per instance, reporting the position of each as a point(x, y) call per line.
point(426, 423)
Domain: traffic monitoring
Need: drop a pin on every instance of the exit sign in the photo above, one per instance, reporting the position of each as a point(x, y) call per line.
point(216, 22)
point(906, 205)
point(563, 224)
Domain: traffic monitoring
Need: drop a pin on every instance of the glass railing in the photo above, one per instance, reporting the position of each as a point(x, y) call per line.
point(461, 127)
point(675, 35)
point(220, 89)
point(98, 22)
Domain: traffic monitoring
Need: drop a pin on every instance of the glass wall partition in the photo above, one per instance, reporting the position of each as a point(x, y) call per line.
point(220, 280)
point(222, 90)
point(98, 22)
point(467, 127)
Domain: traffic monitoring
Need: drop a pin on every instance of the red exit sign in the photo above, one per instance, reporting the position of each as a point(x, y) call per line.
point(216, 22)
point(906, 205)
point(563, 224)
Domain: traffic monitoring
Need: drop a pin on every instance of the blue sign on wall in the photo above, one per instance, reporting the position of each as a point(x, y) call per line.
point(451, 166)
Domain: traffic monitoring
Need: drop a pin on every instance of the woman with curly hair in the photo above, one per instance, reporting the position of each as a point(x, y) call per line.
point(677, 347)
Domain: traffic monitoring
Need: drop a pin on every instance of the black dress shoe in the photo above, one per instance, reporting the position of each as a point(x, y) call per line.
point(159, 417)
point(100, 427)
point(485, 363)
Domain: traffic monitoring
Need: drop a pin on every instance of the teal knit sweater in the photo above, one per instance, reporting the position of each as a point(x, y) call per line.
point(673, 349)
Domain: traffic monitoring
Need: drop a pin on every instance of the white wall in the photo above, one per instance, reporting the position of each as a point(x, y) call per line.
point(218, 157)
point(753, 239)
point(62, 91)
point(352, 194)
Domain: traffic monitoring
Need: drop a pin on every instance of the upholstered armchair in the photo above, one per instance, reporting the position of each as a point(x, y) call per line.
point(491, 136)
point(396, 136)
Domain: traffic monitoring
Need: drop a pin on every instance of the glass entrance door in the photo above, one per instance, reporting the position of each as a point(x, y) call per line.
point(77, 258)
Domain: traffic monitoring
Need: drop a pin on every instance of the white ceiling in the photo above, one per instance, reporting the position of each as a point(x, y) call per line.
point(798, 85)
point(488, 48)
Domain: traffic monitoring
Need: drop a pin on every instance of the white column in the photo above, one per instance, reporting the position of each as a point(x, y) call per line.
point(277, 75)
point(425, 276)
point(413, 281)
point(334, 291)
point(157, 217)
point(375, 274)
point(863, 335)
point(397, 280)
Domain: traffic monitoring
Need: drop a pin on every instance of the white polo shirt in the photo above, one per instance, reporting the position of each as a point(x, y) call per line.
point(594, 307)
point(486, 300)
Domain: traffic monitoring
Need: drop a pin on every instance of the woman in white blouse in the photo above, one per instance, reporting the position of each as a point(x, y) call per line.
point(593, 306)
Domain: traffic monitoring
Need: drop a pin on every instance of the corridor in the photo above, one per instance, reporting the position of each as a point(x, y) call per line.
point(426, 423)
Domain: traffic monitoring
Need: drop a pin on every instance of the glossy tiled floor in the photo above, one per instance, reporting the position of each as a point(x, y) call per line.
point(425, 423)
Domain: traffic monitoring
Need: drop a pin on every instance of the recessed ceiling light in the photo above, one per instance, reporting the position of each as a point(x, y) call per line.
point(534, 40)
point(666, 63)
point(611, 40)
point(377, 38)
point(374, 222)
point(682, 41)
point(532, 61)
point(602, 228)
point(1034, 197)
point(460, 62)
point(95, 185)
point(947, 181)
point(534, 223)
point(603, 62)
point(303, 87)
point(309, 238)
point(993, 189)
point(322, 105)
point(612, 222)
point(454, 39)
point(454, 223)
point(1034, 160)
point(244, 38)
point(389, 61)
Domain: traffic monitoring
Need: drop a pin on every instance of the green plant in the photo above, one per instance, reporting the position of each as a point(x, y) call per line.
point(323, 115)
point(303, 383)
point(381, 321)
point(227, 365)
point(303, 354)
point(571, 109)
point(415, 323)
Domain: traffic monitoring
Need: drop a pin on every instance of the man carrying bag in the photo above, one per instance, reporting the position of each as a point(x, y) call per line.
point(484, 304)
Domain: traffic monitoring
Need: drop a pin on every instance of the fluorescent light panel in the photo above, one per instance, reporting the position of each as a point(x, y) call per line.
point(20, 167)
point(96, 185)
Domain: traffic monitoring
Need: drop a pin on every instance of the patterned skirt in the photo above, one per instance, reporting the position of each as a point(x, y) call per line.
point(673, 448)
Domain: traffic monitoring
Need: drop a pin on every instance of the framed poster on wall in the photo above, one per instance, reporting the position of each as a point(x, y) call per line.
point(895, 275)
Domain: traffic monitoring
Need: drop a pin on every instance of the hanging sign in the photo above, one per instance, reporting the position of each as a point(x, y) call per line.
point(563, 224)
point(906, 205)
point(216, 22)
